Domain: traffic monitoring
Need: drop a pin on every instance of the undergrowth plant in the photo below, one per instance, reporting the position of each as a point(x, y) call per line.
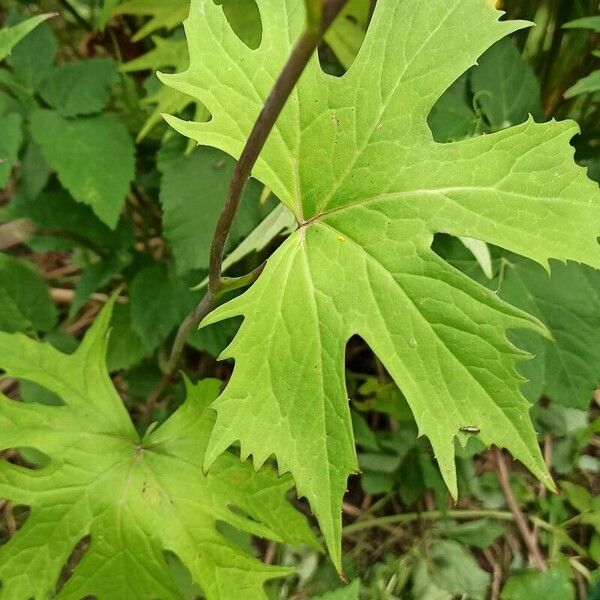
point(392, 173)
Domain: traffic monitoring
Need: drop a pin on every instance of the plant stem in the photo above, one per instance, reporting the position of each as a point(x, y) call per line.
point(520, 521)
point(287, 80)
point(301, 54)
point(437, 515)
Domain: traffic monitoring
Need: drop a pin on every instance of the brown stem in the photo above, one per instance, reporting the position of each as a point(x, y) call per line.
point(520, 521)
point(496, 574)
point(287, 80)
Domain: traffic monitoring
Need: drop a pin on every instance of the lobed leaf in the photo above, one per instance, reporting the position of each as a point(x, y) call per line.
point(355, 161)
point(136, 497)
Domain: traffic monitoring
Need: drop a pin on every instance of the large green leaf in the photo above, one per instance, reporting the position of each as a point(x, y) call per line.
point(354, 160)
point(137, 497)
point(94, 159)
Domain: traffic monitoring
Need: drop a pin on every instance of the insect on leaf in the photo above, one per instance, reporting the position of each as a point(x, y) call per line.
point(355, 161)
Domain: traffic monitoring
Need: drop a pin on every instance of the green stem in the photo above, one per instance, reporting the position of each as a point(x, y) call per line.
point(437, 515)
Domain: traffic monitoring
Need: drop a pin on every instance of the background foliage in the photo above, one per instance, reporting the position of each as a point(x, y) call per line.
point(100, 198)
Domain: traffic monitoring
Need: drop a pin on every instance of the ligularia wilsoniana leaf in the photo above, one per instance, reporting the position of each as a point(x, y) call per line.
point(137, 498)
point(354, 160)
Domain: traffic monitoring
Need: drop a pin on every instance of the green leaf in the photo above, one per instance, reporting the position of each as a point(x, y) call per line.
point(24, 297)
point(11, 36)
point(578, 496)
point(170, 302)
point(453, 117)
point(106, 12)
point(553, 584)
point(347, 32)
point(353, 158)
point(136, 497)
point(33, 58)
point(192, 193)
point(279, 221)
point(34, 171)
point(449, 571)
point(94, 159)
point(481, 252)
point(80, 88)
point(480, 533)
point(587, 85)
point(499, 92)
point(163, 15)
point(584, 23)
point(56, 213)
point(349, 592)
point(10, 142)
point(95, 276)
point(505, 87)
point(567, 369)
point(125, 347)
point(169, 53)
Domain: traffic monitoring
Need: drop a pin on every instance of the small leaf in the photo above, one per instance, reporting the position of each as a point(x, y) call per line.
point(567, 369)
point(56, 212)
point(125, 347)
point(163, 15)
point(481, 252)
point(505, 87)
point(578, 497)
